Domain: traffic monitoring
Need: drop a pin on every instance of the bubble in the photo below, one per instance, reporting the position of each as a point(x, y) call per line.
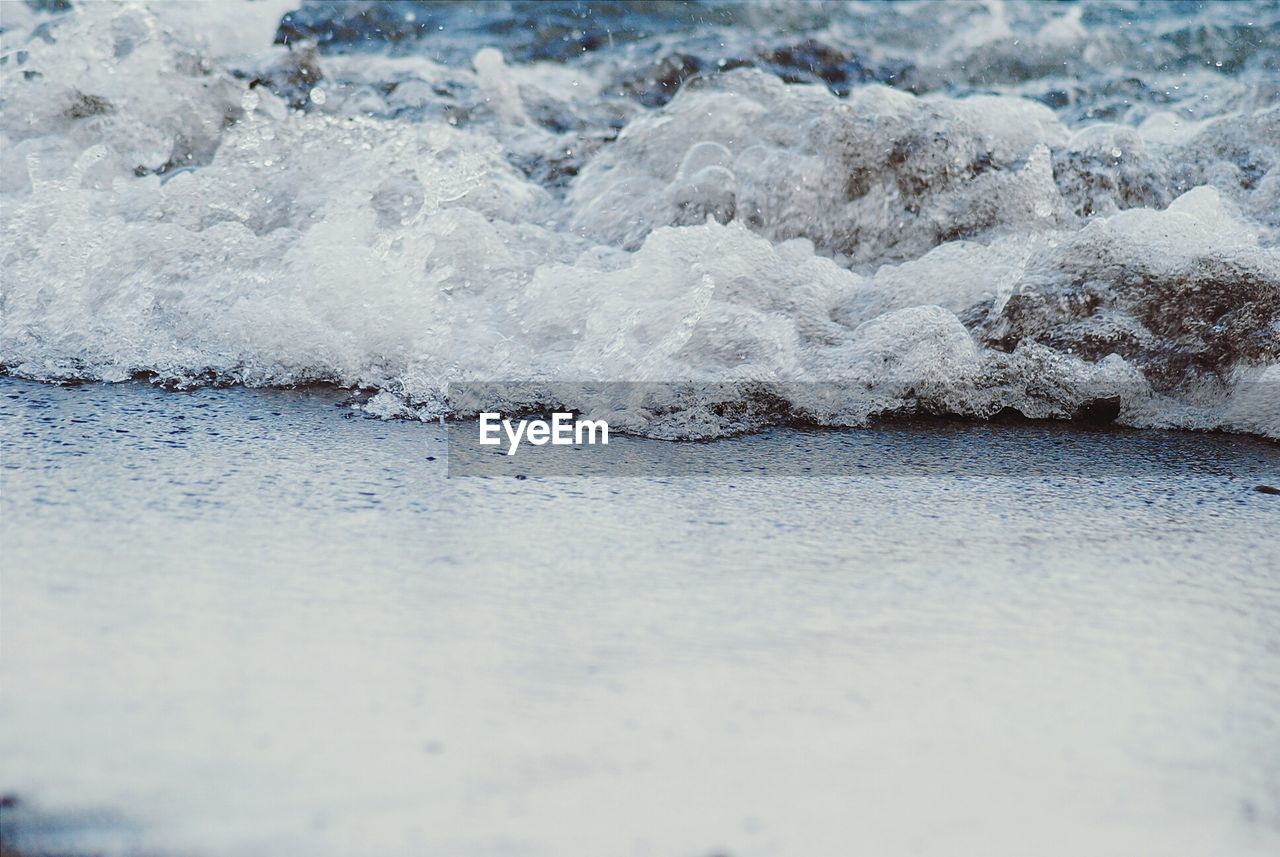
point(318, 96)
point(249, 100)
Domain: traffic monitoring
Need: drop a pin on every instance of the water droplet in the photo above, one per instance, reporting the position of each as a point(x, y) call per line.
point(249, 100)
point(318, 96)
point(1115, 153)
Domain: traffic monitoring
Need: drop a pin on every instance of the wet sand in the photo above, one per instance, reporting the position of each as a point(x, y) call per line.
point(246, 622)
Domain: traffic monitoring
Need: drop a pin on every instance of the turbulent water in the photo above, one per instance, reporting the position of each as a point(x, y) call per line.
point(940, 208)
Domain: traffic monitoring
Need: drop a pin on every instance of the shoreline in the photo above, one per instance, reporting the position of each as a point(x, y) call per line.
point(1087, 419)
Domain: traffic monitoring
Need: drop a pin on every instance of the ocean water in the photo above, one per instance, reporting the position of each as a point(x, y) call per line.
point(946, 208)
point(255, 622)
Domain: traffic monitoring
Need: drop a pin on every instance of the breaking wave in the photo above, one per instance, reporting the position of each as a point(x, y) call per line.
point(939, 208)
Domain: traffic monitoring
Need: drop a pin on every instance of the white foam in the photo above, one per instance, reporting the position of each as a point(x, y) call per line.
point(161, 216)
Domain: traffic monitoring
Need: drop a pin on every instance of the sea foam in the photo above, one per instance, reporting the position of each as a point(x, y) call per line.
point(185, 201)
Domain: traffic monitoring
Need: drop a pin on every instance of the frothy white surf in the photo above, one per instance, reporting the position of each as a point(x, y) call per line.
point(184, 201)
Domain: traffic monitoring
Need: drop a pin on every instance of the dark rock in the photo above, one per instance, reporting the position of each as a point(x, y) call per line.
point(1098, 412)
point(1196, 321)
point(1266, 489)
point(1009, 414)
point(88, 105)
point(812, 61)
point(657, 84)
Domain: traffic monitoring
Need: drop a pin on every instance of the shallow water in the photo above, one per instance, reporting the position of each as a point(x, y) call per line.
point(242, 622)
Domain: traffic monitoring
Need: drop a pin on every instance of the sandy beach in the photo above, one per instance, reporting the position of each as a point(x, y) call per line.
point(253, 622)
